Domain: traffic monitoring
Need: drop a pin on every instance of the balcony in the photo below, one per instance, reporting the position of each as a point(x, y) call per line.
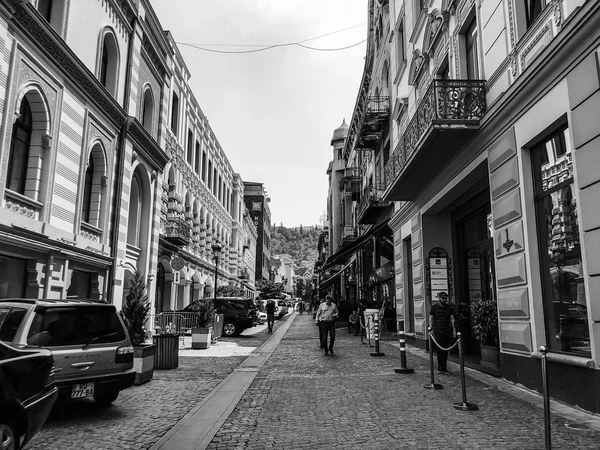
point(445, 120)
point(350, 182)
point(373, 122)
point(372, 207)
point(243, 274)
point(349, 235)
point(177, 231)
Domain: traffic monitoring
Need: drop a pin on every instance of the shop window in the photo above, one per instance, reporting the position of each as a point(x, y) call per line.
point(13, 277)
point(81, 285)
point(564, 297)
point(109, 62)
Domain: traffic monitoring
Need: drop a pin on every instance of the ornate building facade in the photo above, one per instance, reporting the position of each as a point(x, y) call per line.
point(491, 175)
point(108, 164)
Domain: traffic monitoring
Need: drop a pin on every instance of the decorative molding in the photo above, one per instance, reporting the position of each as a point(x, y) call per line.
point(28, 74)
point(542, 37)
point(511, 22)
point(558, 13)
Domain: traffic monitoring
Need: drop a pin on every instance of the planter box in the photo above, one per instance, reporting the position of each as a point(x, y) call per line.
point(490, 356)
point(201, 337)
point(167, 351)
point(143, 363)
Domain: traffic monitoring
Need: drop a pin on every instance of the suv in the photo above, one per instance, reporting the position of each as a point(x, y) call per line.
point(239, 313)
point(282, 308)
point(91, 349)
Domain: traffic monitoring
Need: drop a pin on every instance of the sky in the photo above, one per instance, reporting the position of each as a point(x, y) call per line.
point(274, 111)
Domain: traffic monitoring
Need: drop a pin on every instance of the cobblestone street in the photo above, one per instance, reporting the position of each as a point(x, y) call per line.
point(303, 399)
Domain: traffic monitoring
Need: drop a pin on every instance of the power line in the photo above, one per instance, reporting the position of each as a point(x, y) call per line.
point(272, 46)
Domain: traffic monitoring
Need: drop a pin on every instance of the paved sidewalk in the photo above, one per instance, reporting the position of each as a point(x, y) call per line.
point(303, 399)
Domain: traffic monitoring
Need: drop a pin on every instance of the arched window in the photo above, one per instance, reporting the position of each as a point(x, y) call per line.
point(87, 190)
point(93, 188)
point(135, 210)
point(147, 110)
point(18, 159)
point(109, 63)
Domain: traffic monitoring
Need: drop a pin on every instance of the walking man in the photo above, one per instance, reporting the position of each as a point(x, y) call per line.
point(441, 320)
point(270, 309)
point(326, 315)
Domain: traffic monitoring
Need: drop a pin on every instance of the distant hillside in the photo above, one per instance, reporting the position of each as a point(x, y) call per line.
point(297, 246)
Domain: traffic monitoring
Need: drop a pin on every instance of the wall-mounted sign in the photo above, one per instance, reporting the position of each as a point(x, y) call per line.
point(438, 274)
point(256, 206)
point(177, 263)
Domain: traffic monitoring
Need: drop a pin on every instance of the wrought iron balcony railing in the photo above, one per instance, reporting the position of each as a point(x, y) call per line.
point(350, 181)
point(446, 104)
point(178, 231)
point(374, 118)
point(371, 194)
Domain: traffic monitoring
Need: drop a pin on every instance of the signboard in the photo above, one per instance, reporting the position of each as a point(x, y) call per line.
point(177, 263)
point(438, 273)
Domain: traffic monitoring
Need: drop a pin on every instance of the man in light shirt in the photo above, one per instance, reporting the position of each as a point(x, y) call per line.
point(326, 315)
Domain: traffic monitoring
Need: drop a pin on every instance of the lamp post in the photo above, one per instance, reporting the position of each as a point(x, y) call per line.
point(216, 248)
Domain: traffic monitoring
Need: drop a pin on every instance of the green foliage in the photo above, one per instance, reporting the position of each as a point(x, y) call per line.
point(136, 309)
point(230, 291)
point(485, 321)
point(461, 317)
point(270, 289)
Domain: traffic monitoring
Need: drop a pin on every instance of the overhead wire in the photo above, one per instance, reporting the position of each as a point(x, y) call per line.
point(272, 46)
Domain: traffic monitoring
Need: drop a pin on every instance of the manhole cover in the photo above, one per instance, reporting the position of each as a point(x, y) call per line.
point(576, 426)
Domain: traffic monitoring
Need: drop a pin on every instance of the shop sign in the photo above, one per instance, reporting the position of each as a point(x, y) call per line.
point(438, 273)
point(177, 263)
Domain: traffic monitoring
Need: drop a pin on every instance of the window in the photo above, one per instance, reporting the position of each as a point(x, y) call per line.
point(471, 51)
point(45, 9)
point(204, 166)
point(147, 110)
point(400, 45)
point(81, 285)
point(197, 158)
point(13, 276)
point(10, 322)
point(175, 113)
point(135, 210)
point(563, 290)
point(18, 159)
point(87, 191)
point(214, 186)
point(209, 175)
point(190, 147)
point(533, 8)
point(109, 63)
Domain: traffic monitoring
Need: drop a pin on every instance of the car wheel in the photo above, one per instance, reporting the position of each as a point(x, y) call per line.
point(106, 399)
point(230, 329)
point(8, 437)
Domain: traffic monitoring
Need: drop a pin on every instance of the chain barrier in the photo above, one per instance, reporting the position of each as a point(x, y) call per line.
point(432, 384)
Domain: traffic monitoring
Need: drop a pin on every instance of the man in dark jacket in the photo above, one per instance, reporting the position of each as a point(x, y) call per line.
point(270, 309)
point(441, 320)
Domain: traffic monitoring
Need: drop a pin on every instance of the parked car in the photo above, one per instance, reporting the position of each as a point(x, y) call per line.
point(91, 349)
point(27, 392)
point(262, 317)
point(282, 308)
point(239, 313)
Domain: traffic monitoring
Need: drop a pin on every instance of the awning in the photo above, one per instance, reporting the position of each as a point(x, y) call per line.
point(341, 256)
point(332, 278)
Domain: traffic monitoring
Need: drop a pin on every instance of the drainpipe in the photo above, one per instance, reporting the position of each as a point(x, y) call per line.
point(118, 184)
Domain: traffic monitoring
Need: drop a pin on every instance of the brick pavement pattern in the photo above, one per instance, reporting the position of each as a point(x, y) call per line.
point(303, 399)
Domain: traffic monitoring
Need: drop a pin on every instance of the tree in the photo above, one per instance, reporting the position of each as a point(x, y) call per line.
point(230, 291)
point(270, 289)
point(136, 309)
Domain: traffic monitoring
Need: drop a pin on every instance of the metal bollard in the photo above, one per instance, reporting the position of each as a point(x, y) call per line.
point(403, 368)
point(546, 393)
point(377, 352)
point(431, 385)
point(464, 405)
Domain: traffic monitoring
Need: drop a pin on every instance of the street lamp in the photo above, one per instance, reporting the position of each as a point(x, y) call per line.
point(216, 248)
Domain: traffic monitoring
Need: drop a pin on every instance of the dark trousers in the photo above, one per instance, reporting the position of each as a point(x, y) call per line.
point(270, 321)
point(442, 355)
point(327, 328)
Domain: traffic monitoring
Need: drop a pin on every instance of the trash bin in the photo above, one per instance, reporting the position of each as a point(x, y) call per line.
point(167, 351)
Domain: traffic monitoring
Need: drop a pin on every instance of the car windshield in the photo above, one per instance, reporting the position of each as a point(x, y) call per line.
point(53, 327)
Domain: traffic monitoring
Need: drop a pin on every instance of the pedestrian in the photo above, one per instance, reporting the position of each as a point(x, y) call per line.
point(326, 315)
point(300, 307)
point(352, 321)
point(270, 309)
point(359, 329)
point(441, 320)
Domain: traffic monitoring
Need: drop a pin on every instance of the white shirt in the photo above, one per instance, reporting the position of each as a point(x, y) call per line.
point(327, 312)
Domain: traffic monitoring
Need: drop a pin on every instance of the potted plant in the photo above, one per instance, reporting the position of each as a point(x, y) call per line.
point(135, 314)
point(203, 324)
point(485, 329)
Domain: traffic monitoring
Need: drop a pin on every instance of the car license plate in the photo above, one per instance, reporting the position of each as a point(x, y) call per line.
point(82, 390)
